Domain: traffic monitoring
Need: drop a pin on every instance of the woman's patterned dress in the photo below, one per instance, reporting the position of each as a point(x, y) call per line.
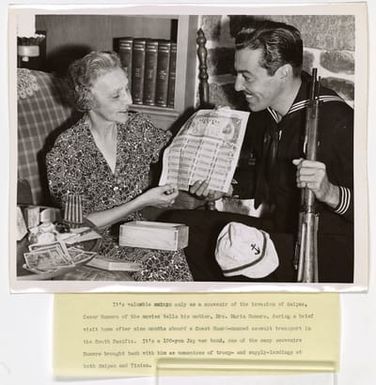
point(75, 165)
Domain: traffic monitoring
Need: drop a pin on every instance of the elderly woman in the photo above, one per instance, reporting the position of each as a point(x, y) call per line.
point(106, 157)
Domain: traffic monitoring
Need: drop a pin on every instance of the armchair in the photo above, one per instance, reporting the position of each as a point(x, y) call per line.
point(43, 113)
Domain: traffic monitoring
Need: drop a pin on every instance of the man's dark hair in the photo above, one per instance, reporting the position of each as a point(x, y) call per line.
point(281, 44)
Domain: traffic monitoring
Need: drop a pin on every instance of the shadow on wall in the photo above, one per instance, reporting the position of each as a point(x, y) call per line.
point(221, 58)
point(59, 59)
point(237, 22)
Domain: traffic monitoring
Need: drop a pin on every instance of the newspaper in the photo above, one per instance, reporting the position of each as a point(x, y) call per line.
point(207, 147)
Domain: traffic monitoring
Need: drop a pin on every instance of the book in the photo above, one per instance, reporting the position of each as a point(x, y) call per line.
point(150, 75)
point(103, 263)
point(138, 70)
point(125, 49)
point(163, 69)
point(172, 77)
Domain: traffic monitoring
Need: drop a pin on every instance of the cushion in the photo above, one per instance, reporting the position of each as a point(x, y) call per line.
point(24, 196)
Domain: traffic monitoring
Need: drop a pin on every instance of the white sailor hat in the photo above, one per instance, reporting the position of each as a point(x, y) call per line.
point(244, 250)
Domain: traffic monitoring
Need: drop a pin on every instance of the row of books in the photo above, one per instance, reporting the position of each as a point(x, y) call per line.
point(151, 67)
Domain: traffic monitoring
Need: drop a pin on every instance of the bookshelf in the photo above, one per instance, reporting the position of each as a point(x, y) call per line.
point(71, 36)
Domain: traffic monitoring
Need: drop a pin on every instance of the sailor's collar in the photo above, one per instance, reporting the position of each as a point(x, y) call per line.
point(301, 100)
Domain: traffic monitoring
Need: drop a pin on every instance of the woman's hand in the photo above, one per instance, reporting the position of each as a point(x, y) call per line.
point(162, 196)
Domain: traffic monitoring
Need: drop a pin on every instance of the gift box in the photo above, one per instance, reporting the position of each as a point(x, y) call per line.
point(154, 235)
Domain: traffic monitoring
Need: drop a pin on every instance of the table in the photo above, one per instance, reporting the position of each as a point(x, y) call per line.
point(72, 273)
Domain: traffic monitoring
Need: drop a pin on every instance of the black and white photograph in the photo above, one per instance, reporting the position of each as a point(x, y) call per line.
point(189, 151)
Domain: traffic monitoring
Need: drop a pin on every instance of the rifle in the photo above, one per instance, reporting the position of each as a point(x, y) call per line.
point(306, 246)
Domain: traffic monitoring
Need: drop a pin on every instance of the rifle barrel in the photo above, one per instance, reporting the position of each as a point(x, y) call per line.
point(306, 247)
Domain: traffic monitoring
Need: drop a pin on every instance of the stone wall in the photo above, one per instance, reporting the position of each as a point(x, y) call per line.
point(329, 45)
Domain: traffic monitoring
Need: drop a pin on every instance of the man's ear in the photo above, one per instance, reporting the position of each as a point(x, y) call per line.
point(284, 72)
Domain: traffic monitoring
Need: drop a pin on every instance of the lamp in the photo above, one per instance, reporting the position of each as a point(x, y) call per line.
point(28, 47)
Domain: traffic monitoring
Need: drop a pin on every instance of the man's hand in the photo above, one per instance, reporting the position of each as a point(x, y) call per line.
point(312, 174)
point(200, 189)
